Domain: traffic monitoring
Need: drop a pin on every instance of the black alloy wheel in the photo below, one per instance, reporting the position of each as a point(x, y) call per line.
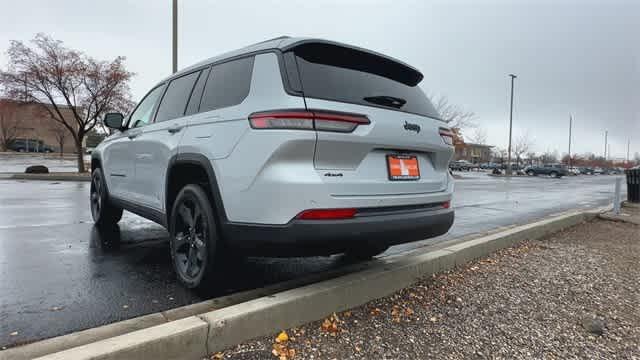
point(193, 237)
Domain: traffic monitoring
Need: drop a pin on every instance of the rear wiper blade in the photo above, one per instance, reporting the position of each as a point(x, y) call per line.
point(386, 101)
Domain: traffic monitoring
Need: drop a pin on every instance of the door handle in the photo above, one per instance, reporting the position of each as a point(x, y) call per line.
point(174, 129)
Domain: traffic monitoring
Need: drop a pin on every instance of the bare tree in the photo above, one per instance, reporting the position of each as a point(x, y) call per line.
point(521, 146)
point(454, 115)
point(500, 154)
point(61, 134)
point(479, 136)
point(549, 157)
point(531, 157)
point(9, 123)
point(49, 74)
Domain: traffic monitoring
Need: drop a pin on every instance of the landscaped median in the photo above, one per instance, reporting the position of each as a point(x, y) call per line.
point(54, 176)
point(199, 336)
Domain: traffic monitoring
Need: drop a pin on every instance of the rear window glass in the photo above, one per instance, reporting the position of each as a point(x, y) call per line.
point(348, 75)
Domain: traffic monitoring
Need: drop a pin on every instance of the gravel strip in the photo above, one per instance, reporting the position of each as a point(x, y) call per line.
point(575, 294)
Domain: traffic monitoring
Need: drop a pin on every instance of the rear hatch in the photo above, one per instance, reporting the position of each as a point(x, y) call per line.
point(404, 127)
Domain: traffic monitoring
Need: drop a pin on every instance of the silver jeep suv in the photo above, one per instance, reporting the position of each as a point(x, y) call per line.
point(289, 147)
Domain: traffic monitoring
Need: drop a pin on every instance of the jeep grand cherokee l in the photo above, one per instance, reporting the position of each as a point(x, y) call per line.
point(288, 147)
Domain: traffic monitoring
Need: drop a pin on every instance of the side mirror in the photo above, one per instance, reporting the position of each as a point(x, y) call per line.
point(113, 120)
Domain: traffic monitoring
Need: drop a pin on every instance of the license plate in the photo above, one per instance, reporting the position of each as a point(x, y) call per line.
point(403, 167)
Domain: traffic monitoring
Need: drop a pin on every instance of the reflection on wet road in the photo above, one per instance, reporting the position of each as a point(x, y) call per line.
point(58, 275)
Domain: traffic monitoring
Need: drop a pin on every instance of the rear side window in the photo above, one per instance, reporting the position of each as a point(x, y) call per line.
point(228, 84)
point(174, 101)
point(196, 94)
point(342, 74)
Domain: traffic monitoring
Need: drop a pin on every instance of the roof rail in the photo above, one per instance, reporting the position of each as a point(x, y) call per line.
point(275, 38)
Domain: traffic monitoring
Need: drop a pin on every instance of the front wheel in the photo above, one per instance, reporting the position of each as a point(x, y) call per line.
point(553, 174)
point(530, 173)
point(193, 237)
point(103, 212)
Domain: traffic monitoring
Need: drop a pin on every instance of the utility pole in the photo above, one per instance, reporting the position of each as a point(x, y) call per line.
point(628, 146)
point(509, 170)
point(175, 36)
point(570, 124)
point(606, 133)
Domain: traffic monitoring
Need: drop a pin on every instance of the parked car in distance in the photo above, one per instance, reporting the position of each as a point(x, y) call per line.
point(514, 167)
point(30, 145)
point(230, 155)
point(460, 165)
point(573, 171)
point(489, 166)
point(553, 170)
point(586, 171)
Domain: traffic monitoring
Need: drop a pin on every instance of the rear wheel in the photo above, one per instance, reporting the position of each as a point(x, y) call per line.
point(365, 252)
point(104, 214)
point(530, 173)
point(194, 237)
point(553, 174)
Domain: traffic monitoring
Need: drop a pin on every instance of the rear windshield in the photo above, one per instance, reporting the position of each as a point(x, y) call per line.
point(342, 74)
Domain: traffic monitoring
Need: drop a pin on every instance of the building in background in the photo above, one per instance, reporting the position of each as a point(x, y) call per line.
point(473, 153)
point(30, 121)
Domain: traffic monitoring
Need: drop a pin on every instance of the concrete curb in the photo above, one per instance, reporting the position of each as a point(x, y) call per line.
point(50, 176)
point(195, 337)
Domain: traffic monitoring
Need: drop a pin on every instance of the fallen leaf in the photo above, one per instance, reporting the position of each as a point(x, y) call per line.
point(358, 349)
point(433, 319)
point(217, 356)
point(282, 337)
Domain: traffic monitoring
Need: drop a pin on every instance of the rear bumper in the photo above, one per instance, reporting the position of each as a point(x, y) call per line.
point(326, 237)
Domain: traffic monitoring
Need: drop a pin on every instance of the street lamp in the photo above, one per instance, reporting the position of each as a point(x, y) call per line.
point(175, 36)
point(509, 170)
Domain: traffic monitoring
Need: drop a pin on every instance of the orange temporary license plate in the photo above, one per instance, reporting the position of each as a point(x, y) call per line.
point(403, 167)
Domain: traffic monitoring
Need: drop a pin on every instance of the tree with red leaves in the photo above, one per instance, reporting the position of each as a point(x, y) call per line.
point(50, 74)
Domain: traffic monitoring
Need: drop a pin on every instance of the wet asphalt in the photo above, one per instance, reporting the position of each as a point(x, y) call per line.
point(59, 275)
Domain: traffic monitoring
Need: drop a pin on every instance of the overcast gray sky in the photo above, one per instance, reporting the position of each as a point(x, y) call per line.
point(570, 56)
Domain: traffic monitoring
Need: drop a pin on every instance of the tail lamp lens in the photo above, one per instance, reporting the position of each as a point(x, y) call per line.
point(307, 120)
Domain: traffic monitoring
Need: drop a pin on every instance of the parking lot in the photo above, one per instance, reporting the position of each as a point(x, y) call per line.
point(59, 275)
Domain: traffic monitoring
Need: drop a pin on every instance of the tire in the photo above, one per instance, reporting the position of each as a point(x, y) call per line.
point(365, 252)
point(194, 238)
point(105, 214)
point(554, 174)
point(531, 173)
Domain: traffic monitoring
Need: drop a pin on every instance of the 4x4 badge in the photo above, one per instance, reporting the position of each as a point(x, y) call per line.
point(411, 127)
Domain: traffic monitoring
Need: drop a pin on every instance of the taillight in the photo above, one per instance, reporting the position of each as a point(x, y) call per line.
point(446, 135)
point(446, 204)
point(307, 120)
point(327, 214)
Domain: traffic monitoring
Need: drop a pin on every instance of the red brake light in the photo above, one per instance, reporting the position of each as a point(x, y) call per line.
point(327, 214)
point(307, 120)
point(446, 135)
point(446, 204)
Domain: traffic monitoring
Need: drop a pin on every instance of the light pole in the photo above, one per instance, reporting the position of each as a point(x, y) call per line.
point(628, 146)
point(175, 36)
point(509, 172)
point(606, 133)
point(570, 124)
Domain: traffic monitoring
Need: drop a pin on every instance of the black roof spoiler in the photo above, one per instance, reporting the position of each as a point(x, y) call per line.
point(390, 67)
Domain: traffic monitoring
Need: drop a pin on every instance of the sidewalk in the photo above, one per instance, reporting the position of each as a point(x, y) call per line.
point(571, 295)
